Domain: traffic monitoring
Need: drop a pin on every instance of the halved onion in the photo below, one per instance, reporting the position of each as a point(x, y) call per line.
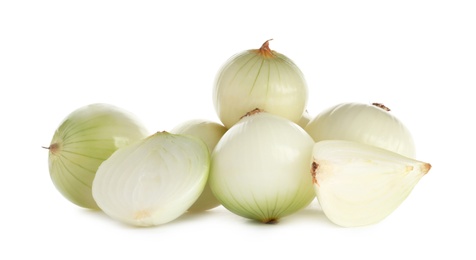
point(359, 184)
point(152, 181)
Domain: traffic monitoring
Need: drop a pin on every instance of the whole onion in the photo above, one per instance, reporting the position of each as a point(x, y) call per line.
point(260, 78)
point(83, 140)
point(260, 168)
point(371, 124)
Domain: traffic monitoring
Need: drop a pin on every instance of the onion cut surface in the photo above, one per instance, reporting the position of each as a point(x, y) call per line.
point(358, 184)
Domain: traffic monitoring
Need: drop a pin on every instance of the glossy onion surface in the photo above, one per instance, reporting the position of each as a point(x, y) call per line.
point(260, 168)
point(366, 123)
point(263, 79)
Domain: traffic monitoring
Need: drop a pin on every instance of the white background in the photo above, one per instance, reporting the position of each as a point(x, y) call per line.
point(158, 59)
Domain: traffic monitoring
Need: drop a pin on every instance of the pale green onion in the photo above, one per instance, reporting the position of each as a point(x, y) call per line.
point(260, 78)
point(86, 138)
point(259, 168)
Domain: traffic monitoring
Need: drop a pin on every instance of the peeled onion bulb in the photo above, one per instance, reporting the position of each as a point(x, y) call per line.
point(371, 124)
point(86, 138)
point(260, 78)
point(259, 168)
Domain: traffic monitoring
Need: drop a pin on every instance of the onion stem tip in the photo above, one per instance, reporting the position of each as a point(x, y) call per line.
point(253, 112)
point(265, 51)
point(382, 106)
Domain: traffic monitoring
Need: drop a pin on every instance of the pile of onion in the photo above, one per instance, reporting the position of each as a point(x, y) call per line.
point(266, 159)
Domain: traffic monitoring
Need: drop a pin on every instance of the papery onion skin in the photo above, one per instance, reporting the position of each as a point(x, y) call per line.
point(371, 124)
point(259, 168)
point(154, 180)
point(83, 140)
point(210, 132)
point(358, 184)
point(259, 78)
